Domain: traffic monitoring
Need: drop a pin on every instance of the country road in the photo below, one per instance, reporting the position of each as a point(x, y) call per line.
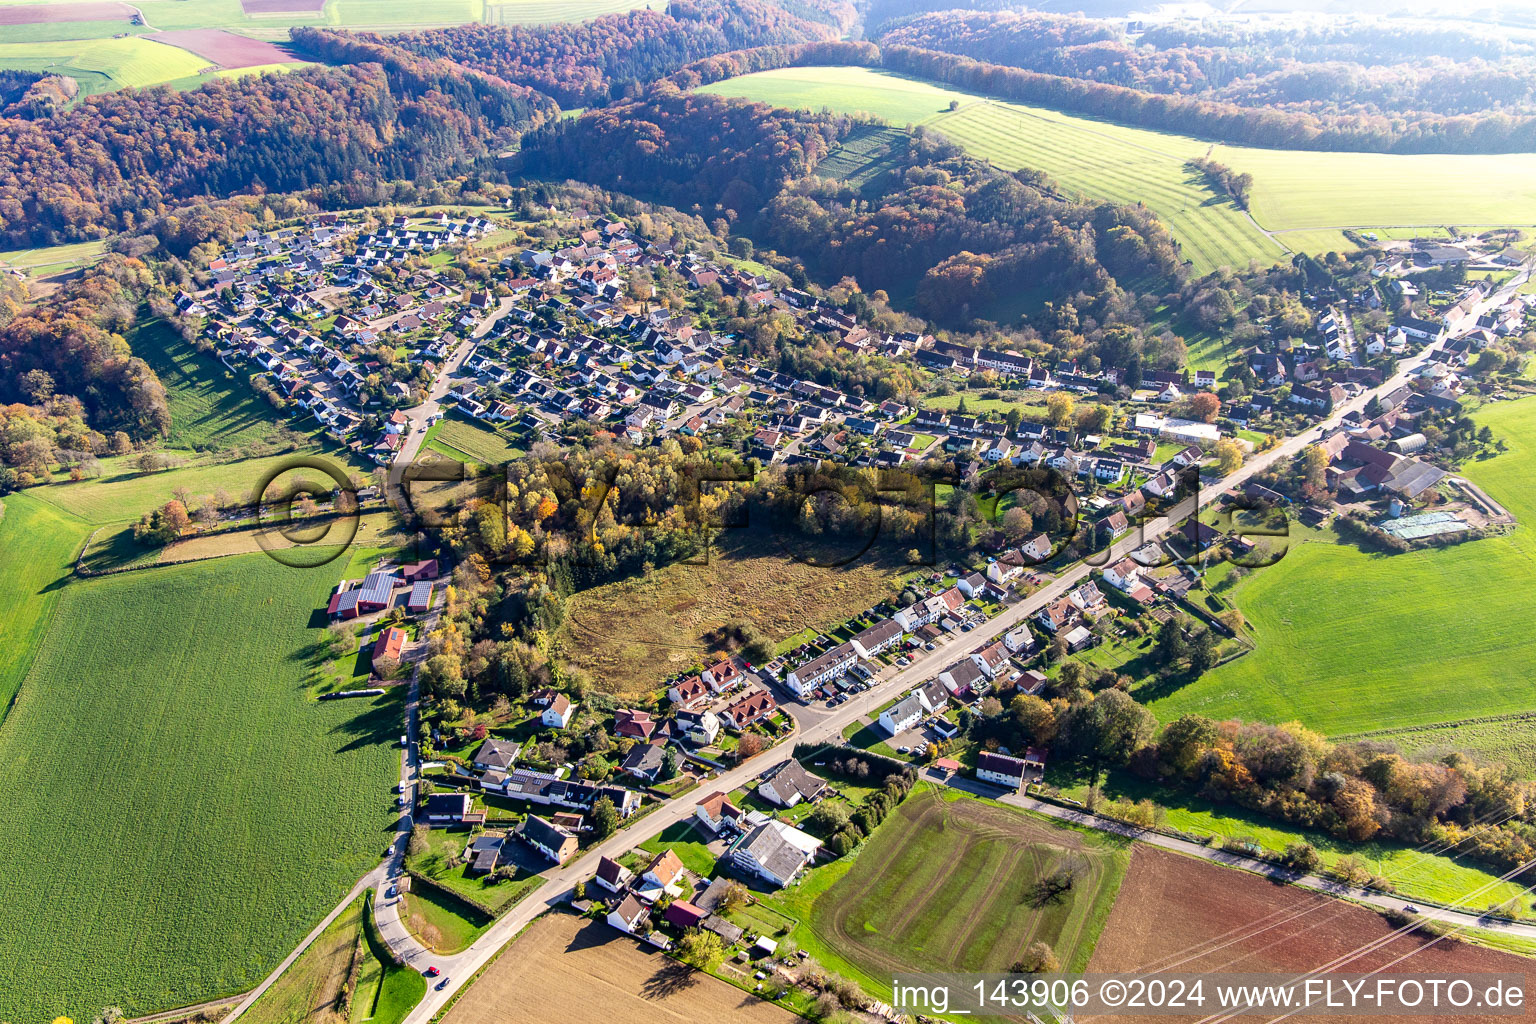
point(826, 728)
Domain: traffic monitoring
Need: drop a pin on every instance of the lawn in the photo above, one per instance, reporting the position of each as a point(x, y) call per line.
point(1293, 189)
point(441, 922)
point(385, 991)
point(167, 778)
point(685, 841)
point(952, 883)
point(103, 65)
point(1350, 642)
point(38, 545)
point(442, 844)
point(632, 634)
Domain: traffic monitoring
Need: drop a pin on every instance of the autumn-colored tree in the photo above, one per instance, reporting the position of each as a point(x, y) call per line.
point(1205, 406)
point(1229, 456)
point(1058, 406)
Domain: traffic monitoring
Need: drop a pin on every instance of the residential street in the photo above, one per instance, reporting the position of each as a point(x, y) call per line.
point(827, 728)
point(421, 415)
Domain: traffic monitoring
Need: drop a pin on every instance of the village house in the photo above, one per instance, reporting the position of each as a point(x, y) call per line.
point(902, 715)
point(557, 843)
point(788, 783)
point(1000, 769)
point(753, 707)
point(612, 875)
point(716, 813)
point(774, 851)
point(558, 714)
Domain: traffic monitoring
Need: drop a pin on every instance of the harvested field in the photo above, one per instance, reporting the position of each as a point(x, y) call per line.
point(268, 8)
point(1170, 904)
point(600, 975)
point(632, 634)
point(44, 14)
point(952, 883)
point(225, 49)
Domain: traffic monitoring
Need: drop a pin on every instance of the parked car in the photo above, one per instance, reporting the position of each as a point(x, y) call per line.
point(431, 972)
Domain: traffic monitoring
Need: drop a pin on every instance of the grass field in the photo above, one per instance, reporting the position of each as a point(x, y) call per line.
point(538, 12)
point(402, 13)
point(102, 65)
point(55, 258)
point(310, 990)
point(952, 883)
point(460, 439)
point(166, 777)
point(632, 634)
point(1293, 190)
point(1349, 642)
point(123, 494)
point(210, 407)
point(38, 544)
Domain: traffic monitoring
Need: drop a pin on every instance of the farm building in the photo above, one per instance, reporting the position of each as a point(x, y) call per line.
point(774, 851)
point(421, 597)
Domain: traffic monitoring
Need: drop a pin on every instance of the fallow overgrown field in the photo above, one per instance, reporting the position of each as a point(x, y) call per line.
point(632, 634)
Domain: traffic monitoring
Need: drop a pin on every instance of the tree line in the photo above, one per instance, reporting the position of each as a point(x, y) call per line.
point(1495, 132)
point(612, 57)
point(116, 159)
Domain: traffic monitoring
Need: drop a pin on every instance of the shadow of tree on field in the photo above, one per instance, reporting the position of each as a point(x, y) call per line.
point(672, 979)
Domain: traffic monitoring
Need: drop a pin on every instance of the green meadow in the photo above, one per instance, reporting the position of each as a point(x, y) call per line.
point(103, 65)
point(1350, 642)
point(179, 813)
point(1294, 191)
point(38, 545)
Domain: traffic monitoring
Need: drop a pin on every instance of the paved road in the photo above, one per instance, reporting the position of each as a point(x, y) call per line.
point(820, 727)
point(421, 415)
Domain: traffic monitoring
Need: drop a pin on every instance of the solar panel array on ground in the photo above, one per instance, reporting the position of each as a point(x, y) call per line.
point(1424, 524)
